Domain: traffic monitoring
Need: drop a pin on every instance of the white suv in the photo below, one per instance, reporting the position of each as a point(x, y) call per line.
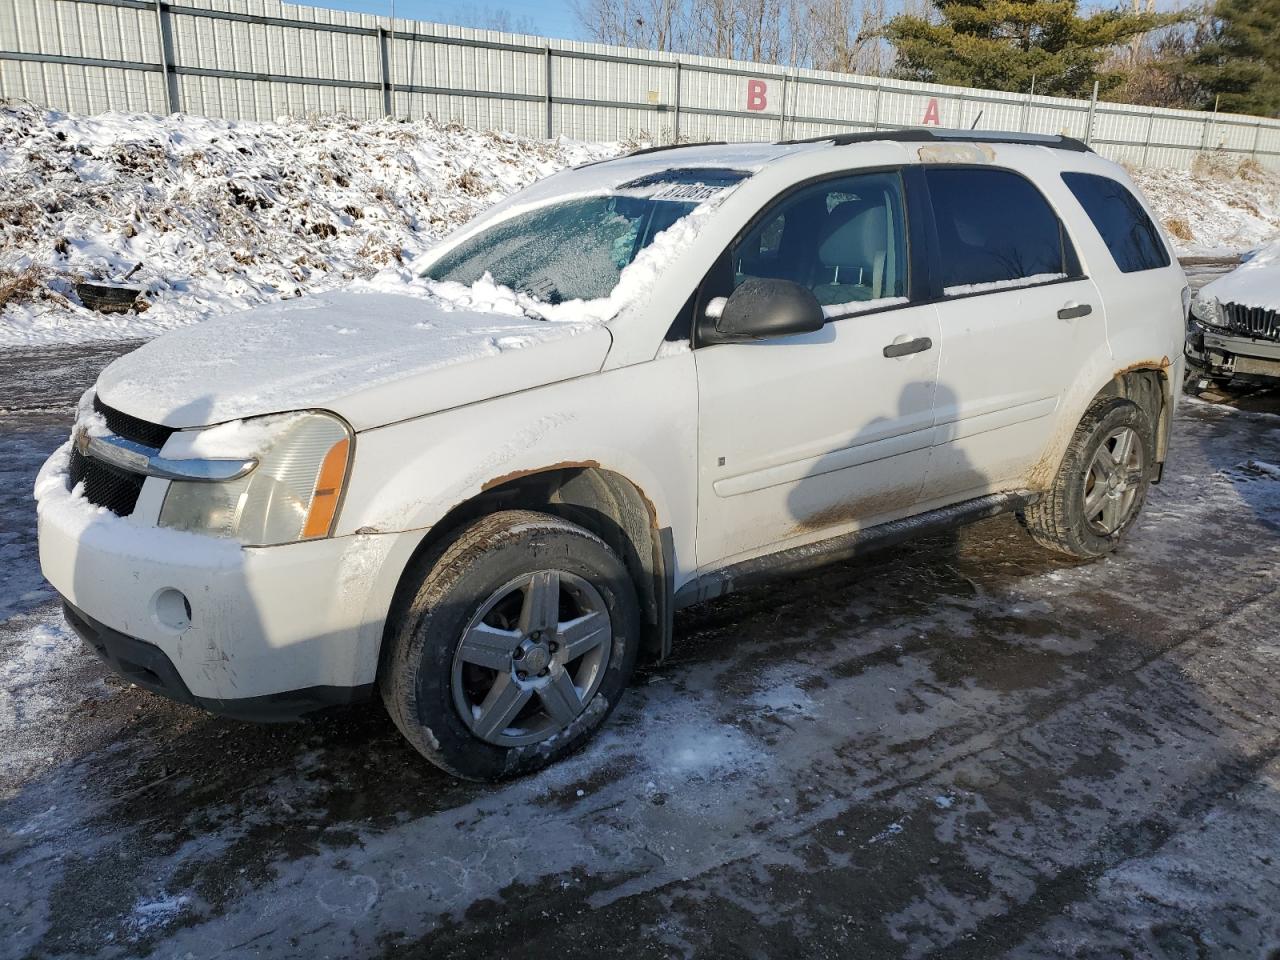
point(634, 386)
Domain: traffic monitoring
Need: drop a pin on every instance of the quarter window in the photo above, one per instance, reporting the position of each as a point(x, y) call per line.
point(844, 239)
point(1125, 228)
point(995, 230)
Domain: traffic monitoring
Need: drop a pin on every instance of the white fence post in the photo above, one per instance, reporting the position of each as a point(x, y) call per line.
point(1093, 107)
point(782, 110)
point(384, 71)
point(168, 78)
point(675, 120)
point(546, 94)
point(1208, 120)
point(1146, 144)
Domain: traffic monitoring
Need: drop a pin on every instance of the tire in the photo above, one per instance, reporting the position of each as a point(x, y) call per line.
point(1067, 518)
point(552, 628)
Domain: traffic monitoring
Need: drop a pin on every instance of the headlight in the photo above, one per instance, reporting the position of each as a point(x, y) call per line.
point(1207, 310)
point(292, 494)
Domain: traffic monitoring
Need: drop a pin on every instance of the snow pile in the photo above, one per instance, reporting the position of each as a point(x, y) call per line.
point(1217, 209)
point(226, 215)
point(1255, 283)
point(209, 217)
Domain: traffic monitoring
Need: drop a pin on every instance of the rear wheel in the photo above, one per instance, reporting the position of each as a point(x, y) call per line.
point(515, 648)
point(1101, 484)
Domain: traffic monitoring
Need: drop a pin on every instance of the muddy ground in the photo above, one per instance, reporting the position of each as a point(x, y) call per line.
point(961, 748)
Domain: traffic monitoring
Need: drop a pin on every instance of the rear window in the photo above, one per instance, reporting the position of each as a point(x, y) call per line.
point(995, 230)
point(1126, 229)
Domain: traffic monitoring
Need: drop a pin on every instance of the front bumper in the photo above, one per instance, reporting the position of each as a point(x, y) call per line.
point(149, 667)
point(1224, 355)
point(259, 622)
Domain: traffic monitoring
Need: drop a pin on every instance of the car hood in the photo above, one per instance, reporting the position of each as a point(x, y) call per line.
point(373, 358)
point(1255, 283)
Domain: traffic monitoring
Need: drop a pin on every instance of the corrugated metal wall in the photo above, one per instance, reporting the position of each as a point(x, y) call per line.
point(261, 59)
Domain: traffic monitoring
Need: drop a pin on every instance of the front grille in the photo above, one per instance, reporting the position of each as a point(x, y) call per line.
point(131, 428)
point(108, 486)
point(105, 486)
point(1257, 322)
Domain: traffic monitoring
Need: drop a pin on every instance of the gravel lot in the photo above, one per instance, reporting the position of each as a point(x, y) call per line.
point(961, 748)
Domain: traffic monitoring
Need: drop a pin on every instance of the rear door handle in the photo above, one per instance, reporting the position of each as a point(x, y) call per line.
point(907, 347)
point(1073, 310)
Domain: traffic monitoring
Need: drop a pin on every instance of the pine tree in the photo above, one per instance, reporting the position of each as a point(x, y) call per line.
point(1241, 62)
point(1002, 44)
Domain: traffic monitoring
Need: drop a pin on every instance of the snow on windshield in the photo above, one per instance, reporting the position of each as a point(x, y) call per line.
point(581, 258)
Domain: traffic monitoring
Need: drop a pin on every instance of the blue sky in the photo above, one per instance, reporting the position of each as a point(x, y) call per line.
point(549, 17)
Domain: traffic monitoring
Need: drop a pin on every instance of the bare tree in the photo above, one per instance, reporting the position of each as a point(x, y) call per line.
point(652, 24)
point(841, 35)
point(846, 36)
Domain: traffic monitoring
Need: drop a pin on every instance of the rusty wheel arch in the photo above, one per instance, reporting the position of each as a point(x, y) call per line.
point(601, 500)
point(1147, 384)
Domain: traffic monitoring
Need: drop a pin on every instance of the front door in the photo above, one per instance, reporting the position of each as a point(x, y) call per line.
point(805, 436)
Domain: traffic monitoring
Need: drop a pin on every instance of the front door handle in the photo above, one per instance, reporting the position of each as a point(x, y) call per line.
point(908, 347)
point(1073, 310)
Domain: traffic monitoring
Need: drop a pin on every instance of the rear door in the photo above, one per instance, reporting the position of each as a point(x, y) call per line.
point(803, 435)
point(1018, 319)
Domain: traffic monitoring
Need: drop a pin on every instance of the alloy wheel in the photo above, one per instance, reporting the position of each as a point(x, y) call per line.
point(532, 658)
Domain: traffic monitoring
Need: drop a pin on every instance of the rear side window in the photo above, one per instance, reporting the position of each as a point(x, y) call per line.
point(1125, 227)
point(995, 230)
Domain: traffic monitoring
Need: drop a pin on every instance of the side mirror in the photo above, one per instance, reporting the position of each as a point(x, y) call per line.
point(763, 307)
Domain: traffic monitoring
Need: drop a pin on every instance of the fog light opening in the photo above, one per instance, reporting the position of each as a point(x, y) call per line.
point(172, 609)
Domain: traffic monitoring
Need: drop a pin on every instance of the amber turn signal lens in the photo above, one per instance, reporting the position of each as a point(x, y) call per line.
point(324, 502)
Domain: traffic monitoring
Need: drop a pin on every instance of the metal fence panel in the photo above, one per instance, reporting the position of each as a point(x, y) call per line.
point(261, 59)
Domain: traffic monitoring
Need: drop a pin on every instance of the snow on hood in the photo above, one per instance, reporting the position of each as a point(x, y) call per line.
point(1255, 283)
point(377, 352)
point(372, 358)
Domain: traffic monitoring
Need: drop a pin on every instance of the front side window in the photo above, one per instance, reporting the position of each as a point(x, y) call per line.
point(995, 230)
point(1125, 228)
point(844, 239)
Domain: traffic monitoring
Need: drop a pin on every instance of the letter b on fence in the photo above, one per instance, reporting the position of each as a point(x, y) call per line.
point(757, 98)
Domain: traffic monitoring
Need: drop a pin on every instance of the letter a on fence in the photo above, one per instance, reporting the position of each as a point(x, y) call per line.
point(756, 95)
point(931, 113)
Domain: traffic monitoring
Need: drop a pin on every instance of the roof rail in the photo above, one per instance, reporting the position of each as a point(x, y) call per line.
point(674, 146)
point(644, 150)
point(927, 135)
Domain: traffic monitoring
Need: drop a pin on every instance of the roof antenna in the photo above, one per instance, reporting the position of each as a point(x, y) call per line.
point(974, 125)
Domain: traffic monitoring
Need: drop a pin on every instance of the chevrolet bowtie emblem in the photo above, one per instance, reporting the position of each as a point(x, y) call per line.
point(82, 441)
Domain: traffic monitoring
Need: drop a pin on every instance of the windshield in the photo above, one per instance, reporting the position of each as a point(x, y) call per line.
point(576, 250)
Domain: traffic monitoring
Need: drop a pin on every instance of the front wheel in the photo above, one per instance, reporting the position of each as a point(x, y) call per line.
point(1101, 483)
point(515, 648)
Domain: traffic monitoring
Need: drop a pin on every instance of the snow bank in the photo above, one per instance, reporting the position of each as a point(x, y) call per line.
point(1216, 210)
point(224, 215)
